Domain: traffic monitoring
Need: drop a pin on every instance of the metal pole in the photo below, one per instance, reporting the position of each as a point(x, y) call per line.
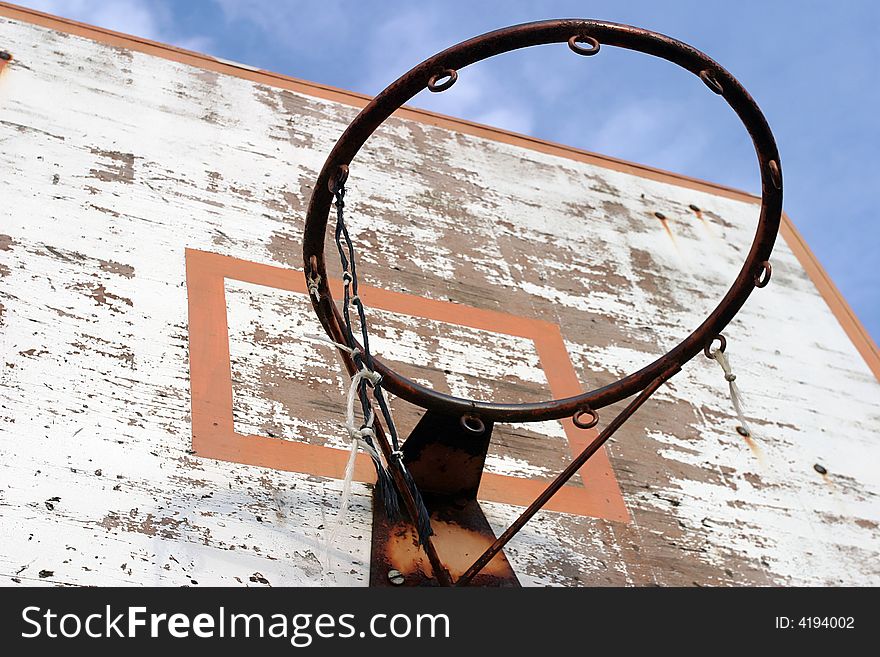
point(564, 476)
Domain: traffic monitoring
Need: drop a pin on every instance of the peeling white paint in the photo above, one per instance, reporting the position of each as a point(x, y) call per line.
point(137, 158)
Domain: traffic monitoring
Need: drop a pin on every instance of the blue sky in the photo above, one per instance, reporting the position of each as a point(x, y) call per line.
point(812, 67)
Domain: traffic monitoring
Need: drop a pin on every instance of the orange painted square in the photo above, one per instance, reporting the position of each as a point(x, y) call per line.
point(214, 435)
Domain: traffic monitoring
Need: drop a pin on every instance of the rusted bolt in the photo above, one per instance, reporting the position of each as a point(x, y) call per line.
point(742, 431)
point(695, 208)
point(395, 577)
point(821, 469)
point(473, 424)
point(660, 216)
point(5, 56)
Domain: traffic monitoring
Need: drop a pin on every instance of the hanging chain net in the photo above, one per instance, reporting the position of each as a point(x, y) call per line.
point(364, 382)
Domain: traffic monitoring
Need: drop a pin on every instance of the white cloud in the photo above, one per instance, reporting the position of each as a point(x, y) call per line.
point(297, 26)
point(408, 38)
point(142, 18)
point(195, 43)
point(515, 120)
point(135, 17)
point(653, 131)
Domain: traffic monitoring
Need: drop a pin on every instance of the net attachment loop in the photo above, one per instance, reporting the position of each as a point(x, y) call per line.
point(443, 80)
point(575, 44)
point(708, 77)
point(586, 418)
point(762, 278)
point(722, 345)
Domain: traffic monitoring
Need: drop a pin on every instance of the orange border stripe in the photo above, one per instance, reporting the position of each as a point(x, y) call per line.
point(214, 435)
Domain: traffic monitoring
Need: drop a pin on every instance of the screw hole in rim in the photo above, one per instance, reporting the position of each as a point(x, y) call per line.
point(575, 44)
point(448, 76)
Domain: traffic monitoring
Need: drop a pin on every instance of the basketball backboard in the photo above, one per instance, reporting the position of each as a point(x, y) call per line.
point(168, 418)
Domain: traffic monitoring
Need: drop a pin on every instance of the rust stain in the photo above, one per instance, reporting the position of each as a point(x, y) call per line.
point(665, 222)
point(457, 546)
point(755, 448)
point(706, 225)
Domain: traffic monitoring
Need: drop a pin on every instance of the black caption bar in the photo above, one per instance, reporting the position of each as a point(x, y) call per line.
point(435, 621)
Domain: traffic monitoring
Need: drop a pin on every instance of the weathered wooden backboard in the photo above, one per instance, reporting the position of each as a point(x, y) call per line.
point(165, 417)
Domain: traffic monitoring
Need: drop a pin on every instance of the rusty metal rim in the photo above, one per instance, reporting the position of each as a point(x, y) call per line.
point(522, 36)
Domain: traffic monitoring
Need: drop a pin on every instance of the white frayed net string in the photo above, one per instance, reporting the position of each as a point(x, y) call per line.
point(361, 438)
point(735, 395)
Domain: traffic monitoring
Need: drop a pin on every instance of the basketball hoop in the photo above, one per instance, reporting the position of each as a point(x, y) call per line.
point(440, 72)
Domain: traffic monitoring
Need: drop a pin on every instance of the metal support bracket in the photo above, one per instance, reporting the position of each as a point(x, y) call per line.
point(445, 455)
